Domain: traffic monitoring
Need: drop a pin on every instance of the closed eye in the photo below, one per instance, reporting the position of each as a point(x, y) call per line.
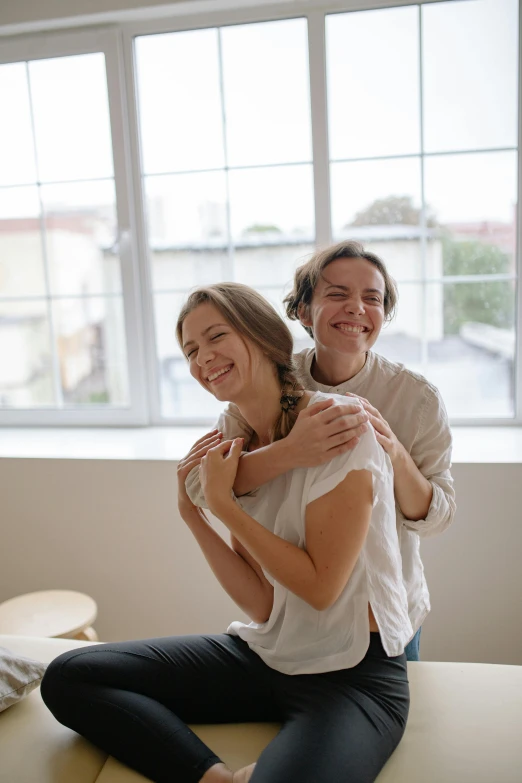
point(221, 334)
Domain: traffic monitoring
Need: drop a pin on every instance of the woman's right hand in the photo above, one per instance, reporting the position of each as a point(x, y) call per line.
point(323, 431)
point(191, 460)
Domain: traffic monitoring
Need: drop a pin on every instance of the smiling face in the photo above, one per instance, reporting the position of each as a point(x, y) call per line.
point(220, 359)
point(347, 308)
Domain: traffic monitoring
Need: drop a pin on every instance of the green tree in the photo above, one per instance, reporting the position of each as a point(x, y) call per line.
point(391, 210)
point(261, 228)
point(487, 303)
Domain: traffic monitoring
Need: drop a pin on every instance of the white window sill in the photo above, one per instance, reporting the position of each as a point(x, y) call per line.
point(471, 444)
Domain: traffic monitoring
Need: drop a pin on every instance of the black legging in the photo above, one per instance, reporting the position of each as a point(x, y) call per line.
point(134, 699)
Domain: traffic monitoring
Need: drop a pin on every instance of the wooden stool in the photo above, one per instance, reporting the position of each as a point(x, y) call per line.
point(60, 614)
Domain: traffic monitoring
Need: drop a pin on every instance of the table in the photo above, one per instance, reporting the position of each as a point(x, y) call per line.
point(61, 614)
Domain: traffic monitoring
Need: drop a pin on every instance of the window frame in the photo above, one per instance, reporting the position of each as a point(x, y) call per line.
point(108, 42)
point(118, 41)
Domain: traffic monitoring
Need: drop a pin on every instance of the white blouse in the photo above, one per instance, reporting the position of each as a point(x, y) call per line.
point(416, 414)
point(298, 639)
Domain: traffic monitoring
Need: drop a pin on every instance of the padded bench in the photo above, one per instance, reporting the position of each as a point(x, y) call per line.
point(465, 726)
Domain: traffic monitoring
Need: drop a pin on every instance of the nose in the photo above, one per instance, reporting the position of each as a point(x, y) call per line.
point(354, 305)
point(206, 354)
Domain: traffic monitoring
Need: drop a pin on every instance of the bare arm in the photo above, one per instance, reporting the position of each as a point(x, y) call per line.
point(322, 431)
point(422, 480)
point(336, 527)
point(239, 574)
point(234, 568)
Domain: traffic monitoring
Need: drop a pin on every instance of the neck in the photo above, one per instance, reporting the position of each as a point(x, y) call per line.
point(260, 406)
point(334, 369)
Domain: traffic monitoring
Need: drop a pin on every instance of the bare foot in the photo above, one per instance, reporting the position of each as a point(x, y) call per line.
point(244, 774)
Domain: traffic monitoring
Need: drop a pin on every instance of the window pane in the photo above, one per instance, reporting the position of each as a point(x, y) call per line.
point(272, 204)
point(378, 203)
point(472, 347)
point(90, 337)
point(267, 105)
point(179, 101)
point(26, 379)
point(181, 395)
point(473, 199)
point(21, 256)
point(71, 117)
point(259, 265)
point(470, 74)
point(81, 234)
point(16, 138)
point(401, 339)
point(373, 83)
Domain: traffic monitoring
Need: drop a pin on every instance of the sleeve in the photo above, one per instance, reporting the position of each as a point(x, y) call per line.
point(232, 425)
point(431, 453)
point(367, 455)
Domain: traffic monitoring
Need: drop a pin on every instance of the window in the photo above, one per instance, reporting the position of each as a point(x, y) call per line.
point(139, 162)
point(62, 317)
point(424, 172)
point(227, 175)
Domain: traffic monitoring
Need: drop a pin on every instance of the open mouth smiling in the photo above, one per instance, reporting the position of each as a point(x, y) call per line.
point(215, 374)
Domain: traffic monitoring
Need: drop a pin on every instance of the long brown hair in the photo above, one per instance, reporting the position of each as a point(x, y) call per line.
point(253, 317)
point(307, 276)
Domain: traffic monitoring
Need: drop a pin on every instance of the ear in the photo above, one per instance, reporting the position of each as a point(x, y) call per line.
point(303, 311)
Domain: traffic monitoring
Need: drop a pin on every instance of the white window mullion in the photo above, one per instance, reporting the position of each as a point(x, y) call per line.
point(139, 238)
point(128, 248)
point(319, 111)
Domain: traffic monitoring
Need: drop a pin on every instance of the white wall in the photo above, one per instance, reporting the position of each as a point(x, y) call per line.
point(22, 11)
point(111, 529)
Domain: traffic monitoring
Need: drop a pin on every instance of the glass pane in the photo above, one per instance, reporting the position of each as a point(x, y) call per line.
point(71, 117)
point(473, 198)
point(472, 347)
point(181, 395)
point(90, 335)
point(81, 235)
point(21, 256)
point(401, 339)
point(179, 101)
point(373, 83)
point(470, 74)
point(378, 203)
point(26, 378)
point(272, 205)
point(267, 104)
point(275, 296)
point(187, 224)
point(16, 137)
point(259, 265)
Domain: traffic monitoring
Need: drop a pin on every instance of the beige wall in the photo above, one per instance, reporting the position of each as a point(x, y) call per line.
point(111, 529)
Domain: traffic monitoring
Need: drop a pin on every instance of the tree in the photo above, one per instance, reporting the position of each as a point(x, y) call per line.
point(261, 228)
point(483, 302)
point(392, 210)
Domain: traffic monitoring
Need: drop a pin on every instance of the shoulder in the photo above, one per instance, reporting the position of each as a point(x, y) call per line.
point(302, 359)
point(232, 424)
point(367, 455)
point(415, 385)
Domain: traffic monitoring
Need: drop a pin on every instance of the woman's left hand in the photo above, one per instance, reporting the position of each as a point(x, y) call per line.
point(383, 431)
point(218, 470)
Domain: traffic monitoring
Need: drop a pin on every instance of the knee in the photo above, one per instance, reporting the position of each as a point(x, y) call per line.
point(55, 687)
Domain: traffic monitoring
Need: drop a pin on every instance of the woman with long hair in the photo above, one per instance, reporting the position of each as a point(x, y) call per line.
point(313, 561)
point(343, 296)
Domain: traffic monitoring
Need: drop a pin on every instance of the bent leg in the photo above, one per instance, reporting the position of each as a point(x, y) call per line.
point(134, 699)
point(339, 726)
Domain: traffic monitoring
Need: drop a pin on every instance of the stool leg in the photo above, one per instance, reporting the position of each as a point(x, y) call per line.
point(88, 635)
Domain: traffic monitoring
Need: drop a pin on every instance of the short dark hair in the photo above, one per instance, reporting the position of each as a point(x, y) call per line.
point(307, 275)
